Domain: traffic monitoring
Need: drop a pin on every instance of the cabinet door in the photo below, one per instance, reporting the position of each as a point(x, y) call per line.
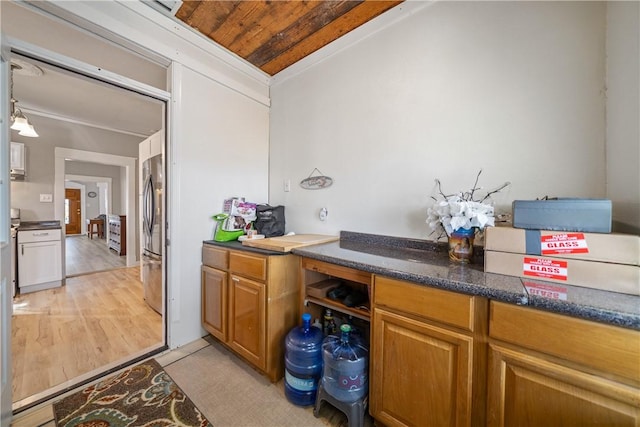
point(526, 390)
point(421, 374)
point(17, 155)
point(214, 302)
point(247, 319)
point(144, 150)
point(39, 262)
point(156, 141)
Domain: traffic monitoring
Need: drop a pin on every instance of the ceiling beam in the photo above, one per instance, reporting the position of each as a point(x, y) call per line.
point(30, 111)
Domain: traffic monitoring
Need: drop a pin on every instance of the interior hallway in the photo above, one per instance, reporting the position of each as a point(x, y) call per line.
point(84, 255)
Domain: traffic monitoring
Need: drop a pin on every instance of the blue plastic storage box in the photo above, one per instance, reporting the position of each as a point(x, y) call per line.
point(587, 215)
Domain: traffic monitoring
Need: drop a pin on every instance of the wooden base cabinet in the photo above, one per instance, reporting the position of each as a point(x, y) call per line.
point(214, 302)
point(427, 356)
point(247, 321)
point(250, 302)
point(421, 374)
point(547, 369)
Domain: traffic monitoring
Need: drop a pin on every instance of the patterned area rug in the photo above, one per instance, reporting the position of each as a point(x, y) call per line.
point(143, 395)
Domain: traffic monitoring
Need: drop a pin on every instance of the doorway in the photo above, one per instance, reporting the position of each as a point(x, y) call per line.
point(83, 293)
point(128, 202)
point(72, 211)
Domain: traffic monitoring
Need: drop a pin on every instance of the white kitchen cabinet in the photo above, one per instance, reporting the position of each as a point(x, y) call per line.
point(156, 144)
point(17, 156)
point(39, 260)
point(150, 147)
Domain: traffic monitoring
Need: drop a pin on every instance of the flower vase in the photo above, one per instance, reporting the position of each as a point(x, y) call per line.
point(461, 245)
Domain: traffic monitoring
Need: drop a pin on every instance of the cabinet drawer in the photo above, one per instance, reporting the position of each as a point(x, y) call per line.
point(250, 266)
point(337, 271)
point(215, 257)
point(603, 347)
point(443, 306)
point(30, 236)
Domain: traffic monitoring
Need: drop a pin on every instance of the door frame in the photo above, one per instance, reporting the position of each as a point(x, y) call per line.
point(77, 179)
point(9, 48)
point(129, 165)
point(6, 306)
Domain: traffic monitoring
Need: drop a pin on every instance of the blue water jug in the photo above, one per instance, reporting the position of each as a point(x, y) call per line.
point(345, 366)
point(303, 363)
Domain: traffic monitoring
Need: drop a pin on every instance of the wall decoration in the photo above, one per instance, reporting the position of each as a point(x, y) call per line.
point(92, 194)
point(316, 182)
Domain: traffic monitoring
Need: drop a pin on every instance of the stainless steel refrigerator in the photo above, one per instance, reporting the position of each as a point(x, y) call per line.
point(152, 226)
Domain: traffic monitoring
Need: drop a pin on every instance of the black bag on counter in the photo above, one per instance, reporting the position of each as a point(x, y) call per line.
point(269, 220)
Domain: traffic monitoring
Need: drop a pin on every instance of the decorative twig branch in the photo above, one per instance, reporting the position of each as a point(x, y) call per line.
point(503, 186)
point(474, 188)
point(440, 189)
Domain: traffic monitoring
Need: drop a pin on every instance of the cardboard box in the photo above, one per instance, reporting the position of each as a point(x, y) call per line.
point(320, 289)
point(586, 215)
point(621, 278)
point(615, 248)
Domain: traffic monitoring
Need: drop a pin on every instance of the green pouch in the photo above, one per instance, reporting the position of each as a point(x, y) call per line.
point(221, 235)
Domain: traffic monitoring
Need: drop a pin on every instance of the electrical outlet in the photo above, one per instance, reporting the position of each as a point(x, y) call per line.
point(46, 198)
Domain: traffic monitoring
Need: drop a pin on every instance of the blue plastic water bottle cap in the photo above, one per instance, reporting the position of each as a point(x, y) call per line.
point(306, 317)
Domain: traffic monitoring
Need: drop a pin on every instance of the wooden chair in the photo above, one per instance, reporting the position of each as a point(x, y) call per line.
point(95, 226)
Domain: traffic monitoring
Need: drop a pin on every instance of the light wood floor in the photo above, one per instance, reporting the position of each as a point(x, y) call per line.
point(64, 334)
point(84, 255)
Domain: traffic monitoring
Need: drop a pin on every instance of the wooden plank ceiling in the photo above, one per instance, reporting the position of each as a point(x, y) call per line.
point(272, 35)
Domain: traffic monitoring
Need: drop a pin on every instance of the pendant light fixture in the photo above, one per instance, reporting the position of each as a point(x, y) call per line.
point(19, 121)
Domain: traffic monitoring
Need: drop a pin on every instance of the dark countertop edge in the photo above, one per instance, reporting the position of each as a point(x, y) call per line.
point(406, 243)
point(435, 282)
point(579, 310)
point(237, 245)
point(39, 225)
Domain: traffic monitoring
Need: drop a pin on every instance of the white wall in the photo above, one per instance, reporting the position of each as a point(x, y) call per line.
point(116, 176)
point(623, 114)
point(221, 150)
point(40, 164)
point(515, 88)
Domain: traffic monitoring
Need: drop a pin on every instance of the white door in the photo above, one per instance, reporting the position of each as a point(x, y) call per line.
point(6, 294)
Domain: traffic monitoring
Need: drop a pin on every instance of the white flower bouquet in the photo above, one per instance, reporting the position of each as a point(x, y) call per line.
point(461, 210)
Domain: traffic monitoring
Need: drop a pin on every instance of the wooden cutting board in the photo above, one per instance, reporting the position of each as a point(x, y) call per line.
point(286, 243)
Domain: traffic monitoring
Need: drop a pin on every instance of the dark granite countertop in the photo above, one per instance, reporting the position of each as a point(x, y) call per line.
point(39, 225)
point(427, 263)
point(235, 244)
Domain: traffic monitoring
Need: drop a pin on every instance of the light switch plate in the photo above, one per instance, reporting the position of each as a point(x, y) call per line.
point(46, 198)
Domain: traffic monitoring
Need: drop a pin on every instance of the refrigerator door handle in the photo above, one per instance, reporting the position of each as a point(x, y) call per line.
point(152, 197)
point(147, 207)
point(151, 260)
point(145, 202)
